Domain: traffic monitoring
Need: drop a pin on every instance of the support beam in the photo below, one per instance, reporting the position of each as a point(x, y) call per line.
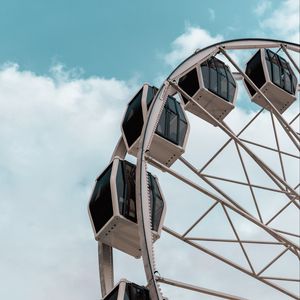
point(273, 176)
point(197, 289)
point(229, 262)
point(284, 48)
point(105, 257)
point(232, 241)
point(227, 204)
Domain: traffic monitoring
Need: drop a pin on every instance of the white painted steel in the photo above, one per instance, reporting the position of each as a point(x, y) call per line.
point(143, 154)
point(147, 137)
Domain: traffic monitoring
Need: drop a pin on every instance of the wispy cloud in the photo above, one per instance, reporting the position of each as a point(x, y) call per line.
point(192, 39)
point(262, 7)
point(57, 133)
point(284, 21)
point(212, 14)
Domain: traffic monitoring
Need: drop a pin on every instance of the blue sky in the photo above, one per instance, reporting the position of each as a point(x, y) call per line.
point(67, 71)
point(116, 38)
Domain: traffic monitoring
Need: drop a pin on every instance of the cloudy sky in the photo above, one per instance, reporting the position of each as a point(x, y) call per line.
point(67, 71)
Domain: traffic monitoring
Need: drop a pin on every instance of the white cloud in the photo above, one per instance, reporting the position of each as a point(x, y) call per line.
point(57, 133)
point(192, 39)
point(284, 21)
point(262, 7)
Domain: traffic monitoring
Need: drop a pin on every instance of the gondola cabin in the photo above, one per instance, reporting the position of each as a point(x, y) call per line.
point(171, 134)
point(128, 291)
point(212, 86)
point(112, 207)
point(274, 77)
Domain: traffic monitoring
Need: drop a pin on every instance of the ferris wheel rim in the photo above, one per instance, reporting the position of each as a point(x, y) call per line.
point(242, 41)
point(142, 164)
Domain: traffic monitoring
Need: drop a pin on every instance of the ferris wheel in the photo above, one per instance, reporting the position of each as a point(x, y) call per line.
point(211, 185)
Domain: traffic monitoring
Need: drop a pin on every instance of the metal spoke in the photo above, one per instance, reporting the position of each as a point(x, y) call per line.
point(288, 233)
point(277, 179)
point(200, 219)
point(292, 137)
point(269, 148)
point(229, 205)
point(281, 278)
point(283, 47)
point(294, 119)
point(229, 262)
point(249, 183)
point(229, 140)
point(232, 241)
point(197, 289)
point(244, 183)
point(272, 261)
point(279, 212)
point(278, 147)
point(193, 169)
point(238, 238)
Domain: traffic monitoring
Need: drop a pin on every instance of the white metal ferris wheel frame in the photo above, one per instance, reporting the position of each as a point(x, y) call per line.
point(171, 87)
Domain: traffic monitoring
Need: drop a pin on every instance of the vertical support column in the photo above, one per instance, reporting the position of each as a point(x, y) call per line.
point(106, 272)
point(105, 252)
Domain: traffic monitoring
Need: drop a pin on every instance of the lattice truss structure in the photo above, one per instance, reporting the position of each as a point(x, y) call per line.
point(232, 191)
point(244, 193)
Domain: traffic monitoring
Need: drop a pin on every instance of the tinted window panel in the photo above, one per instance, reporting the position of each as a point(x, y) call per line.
point(283, 63)
point(231, 91)
point(161, 127)
point(217, 77)
point(152, 90)
point(136, 292)
point(213, 81)
point(182, 132)
point(276, 75)
point(180, 111)
point(121, 188)
point(229, 76)
point(294, 83)
point(129, 210)
point(156, 202)
point(173, 123)
point(205, 74)
point(223, 86)
point(101, 202)
point(126, 191)
point(189, 82)
point(113, 295)
point(255, 72)
point(269, 67)
point(171, 104)
point(287, 82)
point(133, 121)
point(168, 125)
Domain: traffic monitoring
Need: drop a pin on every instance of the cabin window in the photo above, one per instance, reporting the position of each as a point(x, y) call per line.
point(280, 72)
point(172, 124)
point(133, 121)
point(218, 79)
point(101, 202)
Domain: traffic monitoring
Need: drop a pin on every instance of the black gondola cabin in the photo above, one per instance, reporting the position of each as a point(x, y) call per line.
point(212, 86)
point(112, 207)
point(171, 134)
point(274, 77)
